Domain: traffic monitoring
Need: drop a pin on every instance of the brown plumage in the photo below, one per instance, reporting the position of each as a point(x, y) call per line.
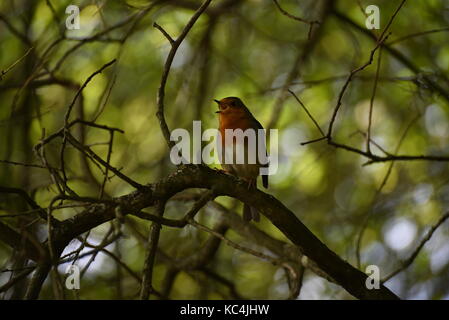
point(233, 114)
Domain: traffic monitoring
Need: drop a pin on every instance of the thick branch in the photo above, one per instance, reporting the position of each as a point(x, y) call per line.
point(192, 176)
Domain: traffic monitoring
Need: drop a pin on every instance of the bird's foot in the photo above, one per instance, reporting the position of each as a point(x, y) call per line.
point(251, 183)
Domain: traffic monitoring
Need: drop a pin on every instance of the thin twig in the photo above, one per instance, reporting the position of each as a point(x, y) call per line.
point(181, 223)
point(153, 240)
point(311, 23)
point(67, 116)
point(308, 113)
point(346, 84)
point(16, 279)
point(406, 263)
point(89, 151)
point(27, 198)
point(59, 133)
point(274, 261)
point(382, 38)
point(417, 34)
point(15, 163)
point(371, 105)
point(165, 33)
point(379, 190)
point(86, 82)
point(296, 68)
point(108, 160)
point(430, 83)
point(15, 63)
point(171, 55)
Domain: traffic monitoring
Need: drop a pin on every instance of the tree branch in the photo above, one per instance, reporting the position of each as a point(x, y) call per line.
point(171, 55)
point(192, 176)
point(406, 263)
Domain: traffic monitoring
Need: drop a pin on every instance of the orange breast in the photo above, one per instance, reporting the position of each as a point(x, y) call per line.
point(235, 120)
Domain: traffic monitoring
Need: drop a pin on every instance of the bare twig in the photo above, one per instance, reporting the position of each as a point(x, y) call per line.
point(16, 279)
point(289, 266)
point(297, 65)
point(27, 198)
point(171, 55)
point(346, 84)
point(308, 113)
point(406, 263)
point(379, 190)
point(154, 236)
point(200, 203)
point(15, 63)
point(108, 160)
point(311, 23)
point(417, 34)
point(372, 158)
point(165, 33)
point(67, 116)
point(15, 163)
point(59, 133)
point(430, 83)
point(371, 105)
point(255, 253)
point(153, 239)
point(14, 31)
point(86, 82)
point(107, 239)
point(89, 151)
point(135, 17)
point(382, 38)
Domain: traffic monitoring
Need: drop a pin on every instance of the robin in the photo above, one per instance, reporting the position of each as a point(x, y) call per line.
point(233, 114)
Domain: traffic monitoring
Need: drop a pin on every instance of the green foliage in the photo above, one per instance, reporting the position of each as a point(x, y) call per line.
point(247, 50)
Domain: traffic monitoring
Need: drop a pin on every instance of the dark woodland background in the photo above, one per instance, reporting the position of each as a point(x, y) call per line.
point(380, 203)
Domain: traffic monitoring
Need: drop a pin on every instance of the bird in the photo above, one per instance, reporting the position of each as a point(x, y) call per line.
point(233, 114)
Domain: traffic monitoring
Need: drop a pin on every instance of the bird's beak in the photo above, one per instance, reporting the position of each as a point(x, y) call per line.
point(218, 102)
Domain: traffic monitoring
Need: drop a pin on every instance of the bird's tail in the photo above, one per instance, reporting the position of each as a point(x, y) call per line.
point(250, 213)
